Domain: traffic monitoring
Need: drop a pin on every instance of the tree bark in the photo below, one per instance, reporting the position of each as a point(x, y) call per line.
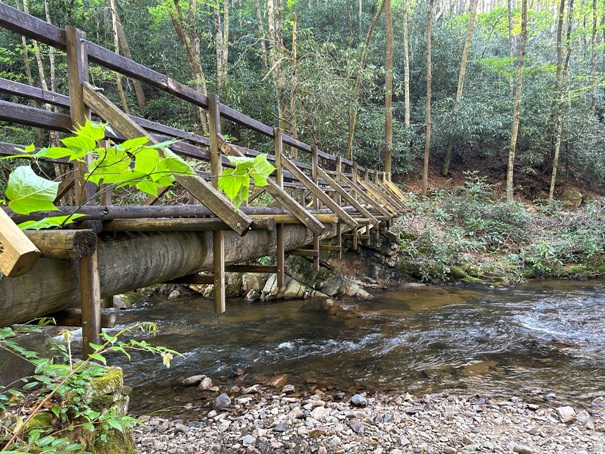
point(467, 45)
point(406, 67)
point(261, 34)
point(429, 81)
point(138, 87)
point(593, 58)
point(116, 46)
point(221, 29)
point(354, 107)
point(187, 33)
point(517, 107)
point(276, 54)
point(561, 103)
point(133, 260)
point(388, 98)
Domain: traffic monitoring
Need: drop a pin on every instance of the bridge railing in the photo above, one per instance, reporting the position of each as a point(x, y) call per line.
point(329, 189)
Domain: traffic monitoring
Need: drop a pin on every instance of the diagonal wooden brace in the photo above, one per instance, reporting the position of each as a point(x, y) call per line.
point(220, 205)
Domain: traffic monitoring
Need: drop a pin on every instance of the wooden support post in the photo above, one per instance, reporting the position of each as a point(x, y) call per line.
point(17, 252)
point(279, 179)
point(90, 299)
point(339, 199)
point(315, 176)
point(218, 237)
point(77, 66)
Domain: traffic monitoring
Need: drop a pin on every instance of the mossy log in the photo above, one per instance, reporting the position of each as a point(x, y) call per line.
point(130, 260)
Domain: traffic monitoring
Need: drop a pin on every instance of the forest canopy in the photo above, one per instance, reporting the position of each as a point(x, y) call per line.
point(310, 66)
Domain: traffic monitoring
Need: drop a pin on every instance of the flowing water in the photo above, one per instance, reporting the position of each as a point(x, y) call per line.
point(548, 335)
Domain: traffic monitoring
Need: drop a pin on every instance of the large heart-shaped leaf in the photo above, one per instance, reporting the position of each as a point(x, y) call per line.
point(28, 192)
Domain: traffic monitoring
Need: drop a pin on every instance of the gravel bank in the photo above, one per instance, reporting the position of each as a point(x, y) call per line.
point(265, 420)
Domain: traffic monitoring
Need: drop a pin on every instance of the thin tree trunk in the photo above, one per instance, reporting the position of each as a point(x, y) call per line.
point(276, 46)
point(186, 31)
point(511, 42)
point(429, 81)
point(593, 58)
point(561, 104)
point(388, 99)
point(116, 46)
point(517, 108)
point(406, 73)
point(221, 28)
point(467, 45)
point(261, 33)
point(294, 86)
point(138, 88)
point(354, 107)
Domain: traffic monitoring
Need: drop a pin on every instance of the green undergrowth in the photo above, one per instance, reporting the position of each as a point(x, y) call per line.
point(472, 235)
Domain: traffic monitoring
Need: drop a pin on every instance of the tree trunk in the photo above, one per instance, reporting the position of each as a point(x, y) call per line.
point(276, 54)
point(511, 42)
point(593, 58)
point(138, 87)
point(406, 67)
point(388, 98)
point(467, 45)
point(116, 46)
point(261, 33)
point(354, 107)
point(294, 87)
point(561, 103)
point(221, 29)
point(133, 260)
point(517, 108)
point(429, 81)
point(187, 33)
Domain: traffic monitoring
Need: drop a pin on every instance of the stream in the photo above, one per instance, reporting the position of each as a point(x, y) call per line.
point(546, 334)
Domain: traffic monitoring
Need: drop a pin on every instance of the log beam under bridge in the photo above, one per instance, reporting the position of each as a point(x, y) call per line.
point(131, 260)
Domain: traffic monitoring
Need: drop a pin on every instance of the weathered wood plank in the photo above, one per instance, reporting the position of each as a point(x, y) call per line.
point(180, 225)
point(33, 93)
point(344, 194)
point(376, 194)
point(31, 27)
point(281, 196)
point(319, 192)
point(199, 188)
point(359, 192)
point(245, 120)
point(73, 317)
point(252, 269)
point(63, 244)
point(32, 116)
point(18, 254)
point(90, 300)
point(303, 252)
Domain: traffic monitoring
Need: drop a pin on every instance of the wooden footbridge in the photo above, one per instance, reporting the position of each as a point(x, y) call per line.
point(117, 248)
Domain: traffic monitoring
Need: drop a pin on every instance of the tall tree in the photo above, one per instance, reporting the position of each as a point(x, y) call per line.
point(517, 105)
point(593, 58)
point(388, 98)
point(261, 34)
point(561, 103)
point(221, 30)
point(429, 83)
point(186, 30)
point(406, 68)
point(276, 57)
point(354, 107)
point(116, 46)
point(467, 45)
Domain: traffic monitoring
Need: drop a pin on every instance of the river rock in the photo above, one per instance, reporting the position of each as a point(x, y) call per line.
point(359, 401)
point(288, 389)
point(279, 381)
point(248, 440)
point(357, 426)
point(222, 402)
point(598, 403)
point(206, 384)
point(567, 415)
point(523, 449)
point(193, 380)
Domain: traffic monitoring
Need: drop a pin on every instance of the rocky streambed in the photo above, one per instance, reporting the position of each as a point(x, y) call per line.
point(266, 419)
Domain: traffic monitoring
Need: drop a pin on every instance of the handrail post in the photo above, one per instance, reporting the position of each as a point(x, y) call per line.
point(218, 236)
point(339, 201)
point(279, 179)
point(90, 281)
point(315, 176)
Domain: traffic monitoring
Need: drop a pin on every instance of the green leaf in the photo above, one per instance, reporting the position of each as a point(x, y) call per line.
point(48, 223)
point(115, 424)
point(98, 357)
point(133, 144)
point(146, 160)
point(91, 130)
point(241, 162)
point(55, 153)
point(28, 192)
point(112, 166)
point(79, 143)
point(261, 170)
point(230, 183)
point(89, 426)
